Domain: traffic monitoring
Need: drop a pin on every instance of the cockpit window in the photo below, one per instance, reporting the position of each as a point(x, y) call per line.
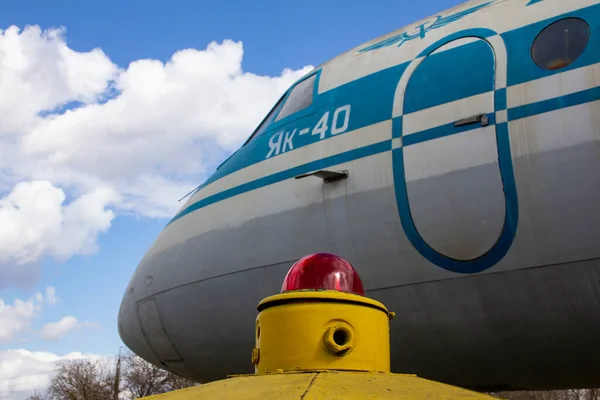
point(300, 98)
point(268, 119)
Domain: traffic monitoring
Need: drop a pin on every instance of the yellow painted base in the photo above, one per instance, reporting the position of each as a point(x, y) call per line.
point(323, 385)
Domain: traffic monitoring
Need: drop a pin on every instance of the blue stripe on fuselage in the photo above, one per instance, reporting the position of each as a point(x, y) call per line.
point(371, 97)
point(444, 130)
point(557, 103)
point(289, 173)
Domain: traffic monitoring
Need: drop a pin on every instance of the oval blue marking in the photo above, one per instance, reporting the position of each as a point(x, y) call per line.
point(479, 33)
point(426, 88)
point(504, 242)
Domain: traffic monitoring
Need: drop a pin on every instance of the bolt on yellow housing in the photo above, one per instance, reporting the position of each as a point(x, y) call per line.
point(315, 330)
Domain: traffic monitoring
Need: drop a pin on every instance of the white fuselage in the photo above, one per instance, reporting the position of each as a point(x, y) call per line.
point(471, 208)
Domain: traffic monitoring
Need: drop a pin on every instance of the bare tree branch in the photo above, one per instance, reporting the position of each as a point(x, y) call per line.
point(37, 396)
point(82, 380)
point(140, 378)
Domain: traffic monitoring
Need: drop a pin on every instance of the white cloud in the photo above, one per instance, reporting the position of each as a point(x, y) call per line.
point(23, 371)
point(58, 330)
point(34, 221)
point(39, 72)
point(16, 319)
point(51, 295)
point(82, 140)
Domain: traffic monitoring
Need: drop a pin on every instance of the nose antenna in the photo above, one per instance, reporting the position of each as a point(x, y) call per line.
point(192, 191)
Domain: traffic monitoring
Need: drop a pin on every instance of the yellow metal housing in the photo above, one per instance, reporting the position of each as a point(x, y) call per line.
point(323, 385)
point(314, 330)
point(322, 345)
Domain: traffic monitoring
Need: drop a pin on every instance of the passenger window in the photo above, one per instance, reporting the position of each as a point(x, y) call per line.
point(300, 98)
point(560, 43)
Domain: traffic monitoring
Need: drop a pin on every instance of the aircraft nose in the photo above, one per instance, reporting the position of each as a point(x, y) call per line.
point(142, 331)
point(130, 330)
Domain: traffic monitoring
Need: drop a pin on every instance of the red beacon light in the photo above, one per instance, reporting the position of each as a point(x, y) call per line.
point(323, 271)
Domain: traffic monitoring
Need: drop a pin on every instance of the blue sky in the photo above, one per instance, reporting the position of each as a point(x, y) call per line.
point(275, 35)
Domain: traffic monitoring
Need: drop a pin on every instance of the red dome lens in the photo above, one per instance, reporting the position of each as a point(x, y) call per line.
point(323, 271)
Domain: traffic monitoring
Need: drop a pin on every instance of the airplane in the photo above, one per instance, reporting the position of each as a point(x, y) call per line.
point(455, 163)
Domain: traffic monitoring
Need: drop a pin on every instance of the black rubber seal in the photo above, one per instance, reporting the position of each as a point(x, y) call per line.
point(279, 302)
